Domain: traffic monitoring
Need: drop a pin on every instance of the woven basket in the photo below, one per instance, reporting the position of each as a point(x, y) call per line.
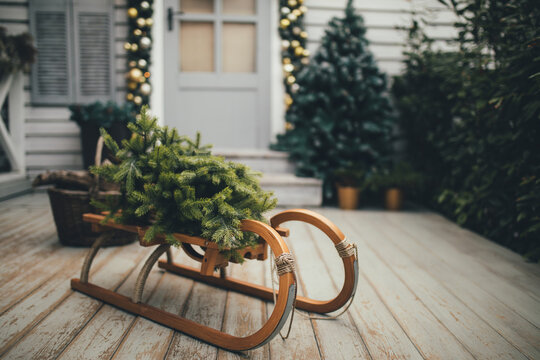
point(68, 207)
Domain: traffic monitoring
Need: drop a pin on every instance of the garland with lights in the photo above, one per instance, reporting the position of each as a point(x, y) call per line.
point(294, 54)
point(138, 47)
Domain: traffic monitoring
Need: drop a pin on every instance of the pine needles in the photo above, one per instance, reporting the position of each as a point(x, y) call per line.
point(171, 183)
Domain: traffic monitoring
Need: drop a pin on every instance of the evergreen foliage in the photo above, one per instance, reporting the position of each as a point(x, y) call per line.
point(341, 116)
point(171, 183)
point(472, 120)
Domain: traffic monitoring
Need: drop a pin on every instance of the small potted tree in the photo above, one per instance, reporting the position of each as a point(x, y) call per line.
point(92, 117)
point(395, 182)
point(348, 183)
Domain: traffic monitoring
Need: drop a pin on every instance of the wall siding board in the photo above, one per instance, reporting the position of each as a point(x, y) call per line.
point(386, 22)
point(14, 13)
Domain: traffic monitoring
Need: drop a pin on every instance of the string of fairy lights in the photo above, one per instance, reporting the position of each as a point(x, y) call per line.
point(138, 47)
point(294, 54)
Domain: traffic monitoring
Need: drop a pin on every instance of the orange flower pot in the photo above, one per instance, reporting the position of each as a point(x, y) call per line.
point(348, 197)
point(394, 199)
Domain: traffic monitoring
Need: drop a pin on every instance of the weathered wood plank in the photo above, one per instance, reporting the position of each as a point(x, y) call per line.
point(492, 256)
point(243, 314)
point(521, 333)
point(384, 337)
point(47, 339)
point(468, 266)
point(30, 311)
point(26, 234)
point(301, 343)
point(146, 339)
point(476, 335)
point(206, 306)
point(337, 339)
point(105, 331)
point(430, 337)
point(31, 277)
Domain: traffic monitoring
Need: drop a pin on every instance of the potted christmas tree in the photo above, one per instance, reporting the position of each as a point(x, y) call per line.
point(341, 113)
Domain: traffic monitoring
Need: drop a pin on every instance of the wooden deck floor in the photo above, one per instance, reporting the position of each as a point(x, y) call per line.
point(427, 289)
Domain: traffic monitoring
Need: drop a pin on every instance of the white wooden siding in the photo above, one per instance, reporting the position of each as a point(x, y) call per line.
point(52, 140)
point(386, 21)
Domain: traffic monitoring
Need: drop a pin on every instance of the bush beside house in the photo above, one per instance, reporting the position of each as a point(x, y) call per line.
point(471, 119)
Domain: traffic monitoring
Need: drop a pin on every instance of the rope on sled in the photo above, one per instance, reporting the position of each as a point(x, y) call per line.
point(283, 264)
point(346, 249)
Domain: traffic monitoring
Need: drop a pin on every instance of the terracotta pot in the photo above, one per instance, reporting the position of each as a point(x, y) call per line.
point(348, 197)
point(394, 199)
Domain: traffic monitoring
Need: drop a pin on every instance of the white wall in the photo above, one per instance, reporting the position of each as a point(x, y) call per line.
point(383, 18)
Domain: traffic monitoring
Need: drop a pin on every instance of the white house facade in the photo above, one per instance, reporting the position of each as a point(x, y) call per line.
point(202, 78)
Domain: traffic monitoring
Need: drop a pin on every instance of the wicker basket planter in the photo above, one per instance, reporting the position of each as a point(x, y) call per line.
point(68, 207)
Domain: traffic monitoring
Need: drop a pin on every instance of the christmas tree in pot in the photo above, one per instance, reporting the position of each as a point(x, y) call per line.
point(341, 116)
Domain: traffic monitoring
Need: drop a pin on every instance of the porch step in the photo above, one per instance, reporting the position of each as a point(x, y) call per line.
point(12, 185)
point(292, 190)
point(278, 176)
point(265, 161)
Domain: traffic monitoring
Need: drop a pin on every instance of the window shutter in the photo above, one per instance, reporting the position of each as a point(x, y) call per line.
point(51, 79)
point(93, 32)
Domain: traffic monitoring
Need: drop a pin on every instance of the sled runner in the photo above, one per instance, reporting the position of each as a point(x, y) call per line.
point(211, 260)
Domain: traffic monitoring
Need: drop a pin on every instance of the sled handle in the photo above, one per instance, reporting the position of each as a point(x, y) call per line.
point(350, 263)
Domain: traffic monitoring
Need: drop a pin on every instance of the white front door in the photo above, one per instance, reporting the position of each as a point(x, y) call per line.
point(217, 75)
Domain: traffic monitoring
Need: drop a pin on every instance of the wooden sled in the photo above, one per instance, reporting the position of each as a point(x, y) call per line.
point(212, 260)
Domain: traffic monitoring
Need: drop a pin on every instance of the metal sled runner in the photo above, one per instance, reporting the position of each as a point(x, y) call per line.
point(212, 260)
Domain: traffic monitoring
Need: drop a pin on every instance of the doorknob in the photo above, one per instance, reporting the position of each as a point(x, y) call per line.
point(170, 17)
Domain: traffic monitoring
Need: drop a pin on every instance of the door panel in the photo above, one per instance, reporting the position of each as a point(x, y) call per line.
point(217, 71)
point(228, 124)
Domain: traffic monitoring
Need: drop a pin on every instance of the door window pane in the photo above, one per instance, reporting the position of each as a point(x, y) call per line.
point(238, 47)
point(197, 6)
point(196, 46)
point(239, 7)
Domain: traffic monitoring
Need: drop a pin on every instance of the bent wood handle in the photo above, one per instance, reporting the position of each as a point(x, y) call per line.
point(350, 263)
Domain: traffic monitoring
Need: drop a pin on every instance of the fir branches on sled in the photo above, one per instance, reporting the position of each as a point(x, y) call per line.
point(171, 183)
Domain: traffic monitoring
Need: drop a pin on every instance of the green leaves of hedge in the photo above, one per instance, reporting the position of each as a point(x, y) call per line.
point(472, 120)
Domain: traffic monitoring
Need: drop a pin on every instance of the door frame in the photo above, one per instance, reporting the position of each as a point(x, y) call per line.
point(170, 84)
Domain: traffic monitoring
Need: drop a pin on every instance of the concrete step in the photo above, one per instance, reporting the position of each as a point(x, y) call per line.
point(266, 161)
point(12, 185)
point(291, 190)
point(278, 176)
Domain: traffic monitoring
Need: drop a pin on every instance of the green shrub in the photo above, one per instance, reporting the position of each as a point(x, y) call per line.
point(472, 121)
point(351, 176)
point(401, 176)
point(102, 114)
